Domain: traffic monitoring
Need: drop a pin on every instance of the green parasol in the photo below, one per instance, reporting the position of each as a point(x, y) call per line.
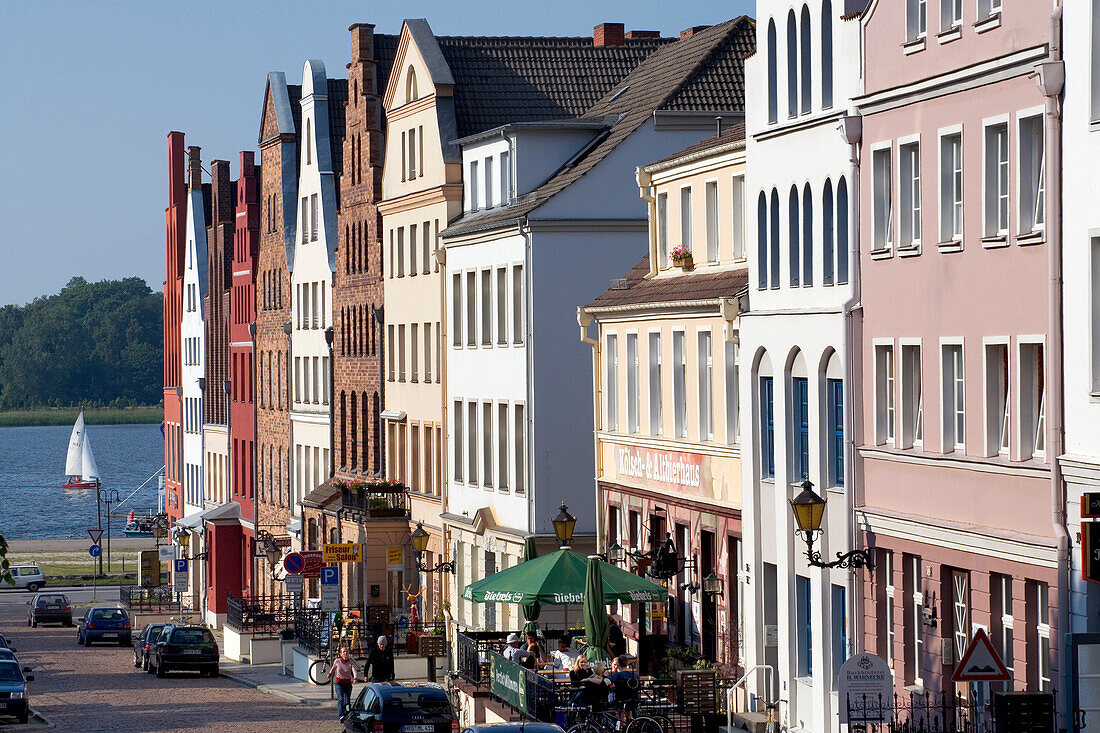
point(531, 611)
point(595, 613)
point(559, 578)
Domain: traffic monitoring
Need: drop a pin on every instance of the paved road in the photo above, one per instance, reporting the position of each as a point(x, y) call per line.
point(98, 689)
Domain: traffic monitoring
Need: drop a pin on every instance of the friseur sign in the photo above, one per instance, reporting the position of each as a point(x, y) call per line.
point(508, 681)
point(348, 552)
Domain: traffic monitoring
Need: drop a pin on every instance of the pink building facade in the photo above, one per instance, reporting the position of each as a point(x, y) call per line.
point(955, 429)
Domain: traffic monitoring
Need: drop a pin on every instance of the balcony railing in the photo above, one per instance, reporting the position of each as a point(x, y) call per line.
point(263, 614)
point(376, 500)
point(144, 599)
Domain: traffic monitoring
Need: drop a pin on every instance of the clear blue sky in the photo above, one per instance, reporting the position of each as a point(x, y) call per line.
point(91, 89)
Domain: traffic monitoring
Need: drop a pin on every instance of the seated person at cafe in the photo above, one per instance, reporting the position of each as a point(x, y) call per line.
point(593, 685)
point(624, 684)
point(512, 652)
point(564, 656)
point(535, 648)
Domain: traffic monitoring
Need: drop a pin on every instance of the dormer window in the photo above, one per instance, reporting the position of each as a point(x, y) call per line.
point(410, 86)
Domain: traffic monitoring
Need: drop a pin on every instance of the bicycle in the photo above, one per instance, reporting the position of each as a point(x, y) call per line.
point(611, 721)
point(771, 723)
point(318, 671)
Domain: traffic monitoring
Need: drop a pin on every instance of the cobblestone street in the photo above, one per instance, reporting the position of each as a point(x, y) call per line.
point(98, 689)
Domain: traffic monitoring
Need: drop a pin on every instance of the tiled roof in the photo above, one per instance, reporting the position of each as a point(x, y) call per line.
point(294, 91)
point(385, 50)
point(730, 134)
point(337, 98)
point(686, 287)
point(668, 74)
point(720, 83)
point(522, 79)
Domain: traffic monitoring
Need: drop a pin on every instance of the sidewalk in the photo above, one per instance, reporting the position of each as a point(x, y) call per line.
point(269, 678)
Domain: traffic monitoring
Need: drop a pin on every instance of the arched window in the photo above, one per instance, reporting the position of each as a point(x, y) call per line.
point(792, 233)
point(762, 241)
point(807, 236)
point(804, 52)
point(828, 236)
point(841, 232)
point(826, 54)
point(773, 266)
point(792, 65)
point(410, 86)
point(354, 431)
point(773, 83)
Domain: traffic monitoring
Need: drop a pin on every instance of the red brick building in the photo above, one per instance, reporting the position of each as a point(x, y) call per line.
point(278, 142)
point(242, 311)
point(175, 223)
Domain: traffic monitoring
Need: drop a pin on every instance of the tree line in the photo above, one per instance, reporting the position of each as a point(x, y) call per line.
point(92, 344)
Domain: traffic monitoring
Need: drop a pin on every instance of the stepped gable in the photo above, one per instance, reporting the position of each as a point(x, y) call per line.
point(679, 73)
point(505, 79)
point(686, 287)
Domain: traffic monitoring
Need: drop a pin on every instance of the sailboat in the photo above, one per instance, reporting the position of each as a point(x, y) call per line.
point(80, 466)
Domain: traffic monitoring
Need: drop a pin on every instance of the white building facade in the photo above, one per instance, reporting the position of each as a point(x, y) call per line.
point(311, 292)
point(794, 336)
point(193, 348)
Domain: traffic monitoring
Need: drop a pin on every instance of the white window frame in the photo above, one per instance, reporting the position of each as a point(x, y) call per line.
point(1028, 423)
point(458, 433)
point(737, 219)
point(996, 178)
point(917, 609)
point(611, 381)
point(705, 379)
point(487, 175)
point(655, 373)
point(679, 382)
point(632, 387)
point(503, 414)
point(882, 197)
point(502, 302)
point(916, 20)
point(890, 592)
point(988, 9)
point(732, 390)
point(710, 196)
point(458, 309)
point(951, 15)
point(472, 186)
point(958, 442)
point(662, 229)
point(1042, 634)
point(950, 236)
point(997, 433)
point(1027, 209)
point(686, 223)
point(486, 307)
point(909, 193)
point(911, 410)
point(885, 396)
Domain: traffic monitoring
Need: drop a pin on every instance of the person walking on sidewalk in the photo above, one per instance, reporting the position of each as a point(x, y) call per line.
point(346, 673)
point(380, 661)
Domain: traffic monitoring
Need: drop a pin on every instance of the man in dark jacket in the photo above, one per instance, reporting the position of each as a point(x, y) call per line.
point(380, 662)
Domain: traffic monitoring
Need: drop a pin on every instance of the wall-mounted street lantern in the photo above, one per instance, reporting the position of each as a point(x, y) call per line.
point(563, 526)
point(809, 508)
point(271, 551)
point(420, 544)
point(712, 584)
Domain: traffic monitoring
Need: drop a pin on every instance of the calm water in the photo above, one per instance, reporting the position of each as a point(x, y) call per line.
point(32, 466)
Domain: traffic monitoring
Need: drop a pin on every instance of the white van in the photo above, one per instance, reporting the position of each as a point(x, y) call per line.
point(27, 577)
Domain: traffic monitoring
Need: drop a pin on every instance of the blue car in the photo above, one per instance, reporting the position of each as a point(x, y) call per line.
point(104, 623)
point(13, 690)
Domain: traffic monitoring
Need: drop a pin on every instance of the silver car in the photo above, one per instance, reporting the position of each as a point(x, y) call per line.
point(27, 577)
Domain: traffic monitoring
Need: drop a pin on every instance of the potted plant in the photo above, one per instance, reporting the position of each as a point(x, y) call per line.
point(681, 257)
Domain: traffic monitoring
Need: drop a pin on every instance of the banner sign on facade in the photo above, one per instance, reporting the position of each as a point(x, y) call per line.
point(688, 473)
point(395, 557)
point(348, 552)
point(866, 690)
point(314, 560)
point(508, 681)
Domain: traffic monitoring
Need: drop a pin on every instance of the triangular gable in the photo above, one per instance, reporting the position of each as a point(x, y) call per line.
point(277, 98)
point(315, 90)
point(416, 33)
point(196, 232)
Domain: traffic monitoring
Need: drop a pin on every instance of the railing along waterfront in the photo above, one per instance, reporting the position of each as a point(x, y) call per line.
point(265, 614)
point(144, 599)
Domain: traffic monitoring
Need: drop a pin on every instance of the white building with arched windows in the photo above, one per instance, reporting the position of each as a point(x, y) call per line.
point(794, 336)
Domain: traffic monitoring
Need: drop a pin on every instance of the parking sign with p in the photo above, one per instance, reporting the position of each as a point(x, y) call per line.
point(330, 575)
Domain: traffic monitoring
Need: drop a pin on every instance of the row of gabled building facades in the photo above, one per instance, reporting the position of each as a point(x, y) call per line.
point(376, 325)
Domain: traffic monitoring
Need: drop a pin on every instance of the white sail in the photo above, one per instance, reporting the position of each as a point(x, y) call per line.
point(88, 470)
point(74, 458)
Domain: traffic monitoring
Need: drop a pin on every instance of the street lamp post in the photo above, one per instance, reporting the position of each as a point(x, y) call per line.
point(420, 544)
point(108, 497)
point(809, 509)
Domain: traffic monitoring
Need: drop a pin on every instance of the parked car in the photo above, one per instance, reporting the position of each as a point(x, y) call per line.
point(388, 707)
point(184, 646)
point(28, 577)
point(13, 690)
point(50, 608)
point(532, 727)
point(143, 644)
point(5, 644)
point(104, 623)
point(7, 655)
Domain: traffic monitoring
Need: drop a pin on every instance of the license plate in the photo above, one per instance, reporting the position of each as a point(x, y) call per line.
point(192, 651)
point(420, 728)
point(3, 704)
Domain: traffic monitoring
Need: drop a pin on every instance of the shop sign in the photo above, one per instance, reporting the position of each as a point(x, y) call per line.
point(347, 552)
point(314, 561)
point(150, 568)
point(395, 557)
point(508, 681)
point(685, 472)
point(866, 690)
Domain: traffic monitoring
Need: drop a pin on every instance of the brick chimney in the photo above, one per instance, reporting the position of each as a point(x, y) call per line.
point(223, 203)
point(689, 32)
point(636, 35)
point(609, 34)
point(194, 167)
point(362, 41)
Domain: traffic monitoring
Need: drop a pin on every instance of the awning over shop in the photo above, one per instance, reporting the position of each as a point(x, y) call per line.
point(195, 519)
point(395, 415)
point(558, 579)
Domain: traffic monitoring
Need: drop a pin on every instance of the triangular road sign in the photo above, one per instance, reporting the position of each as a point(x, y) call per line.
point(95, 534)
point(981, 663)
